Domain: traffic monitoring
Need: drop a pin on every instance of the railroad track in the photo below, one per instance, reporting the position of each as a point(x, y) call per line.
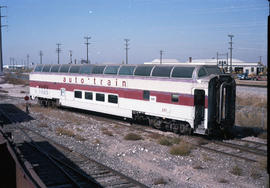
point(49, 157)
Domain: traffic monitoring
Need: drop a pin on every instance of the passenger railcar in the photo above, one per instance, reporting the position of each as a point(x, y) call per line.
point(178, 98)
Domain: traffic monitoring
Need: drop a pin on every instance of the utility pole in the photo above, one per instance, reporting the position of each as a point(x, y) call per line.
point(40, 55)
point(1, 52)
point(27, 60)
point(217, 58)
point(227, 55)
point(58, 50)
point(231, 36)
point(70, 55)
point(161, 52)
point(126, 44)
point(87, 43)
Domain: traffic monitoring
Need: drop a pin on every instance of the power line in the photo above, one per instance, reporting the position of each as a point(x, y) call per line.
point(87, 43)
point(126, 48)
point(231, 36)
point(1, 52)
point(40, 55)
point(58, 50)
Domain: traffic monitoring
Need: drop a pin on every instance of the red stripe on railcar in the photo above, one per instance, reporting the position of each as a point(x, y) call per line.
point(162, 97)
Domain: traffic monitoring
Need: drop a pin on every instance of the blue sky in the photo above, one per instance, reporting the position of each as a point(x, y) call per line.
point(181, 28)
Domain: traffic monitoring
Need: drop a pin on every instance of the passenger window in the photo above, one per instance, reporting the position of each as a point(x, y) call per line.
point(86, 69)
point(143, 70)
point(161, 71)
point(78, 94)
point(202, 73)
point(100, 97)
point(182, 72)
point(146, 95)
point(98, 69)
point(38, 68)
point(113, 99)
point(111, 70)
point(88, 95)
point(126, 70)
point(55, 68)
point(64, 68)
point(175, 98)
point(46, 68)
point(74, 69)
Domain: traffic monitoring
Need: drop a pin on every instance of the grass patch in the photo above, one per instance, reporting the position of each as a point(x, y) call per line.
point(79, 129)
point(96, 141)
point(160, 181)
point(255, 174)
point(43, 124)
point(80, 138)
point(8, 78)
point(183, 149)
point(62, 131)
point(106, 131)
point(222, 180)
point(155, 136)
point(206, 157)
point(201, 141)
point(198, 167)
point(132, 136)
point(164, 141)
point(251, 119)
point(262, 164)
point(251, 101)
point(236, 170)
point(168, 141)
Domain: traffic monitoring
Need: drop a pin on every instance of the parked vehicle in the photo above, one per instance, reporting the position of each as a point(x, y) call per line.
point(243, 77)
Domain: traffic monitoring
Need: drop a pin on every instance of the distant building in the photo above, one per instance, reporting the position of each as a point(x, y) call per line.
point(238, 66)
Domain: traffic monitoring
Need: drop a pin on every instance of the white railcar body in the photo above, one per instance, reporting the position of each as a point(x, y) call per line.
point(155, 98)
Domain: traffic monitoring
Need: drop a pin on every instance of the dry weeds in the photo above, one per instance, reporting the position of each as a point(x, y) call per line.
point(62, 131)
point(43, 124)
point(222, 180)
point(160, 181)
point(106, 131)
point(183, 149)
point(236, 170)
point(251, 101)
point(132, 136)
point(80, 138)
point(251, 119)
point(206, 157)
point(155, 136)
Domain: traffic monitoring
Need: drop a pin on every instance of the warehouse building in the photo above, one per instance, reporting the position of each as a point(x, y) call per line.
point(238, 66)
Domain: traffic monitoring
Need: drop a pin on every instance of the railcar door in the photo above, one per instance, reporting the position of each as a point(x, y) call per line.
point(199, 103)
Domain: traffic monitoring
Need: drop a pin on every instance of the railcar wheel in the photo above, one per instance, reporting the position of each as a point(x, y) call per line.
point(176, 128)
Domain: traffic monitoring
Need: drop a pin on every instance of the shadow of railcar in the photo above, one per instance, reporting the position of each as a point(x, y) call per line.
point(242, 132)
point(47, 172)
point(9, 113)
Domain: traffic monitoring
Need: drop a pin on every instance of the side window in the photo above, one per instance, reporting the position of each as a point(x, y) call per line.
point(113, 99)
point(55, 68)
point(100, 97)
point(88, 95)
point(78, 94)
point(202, 72)
point(175, 98)
point(146, 95)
